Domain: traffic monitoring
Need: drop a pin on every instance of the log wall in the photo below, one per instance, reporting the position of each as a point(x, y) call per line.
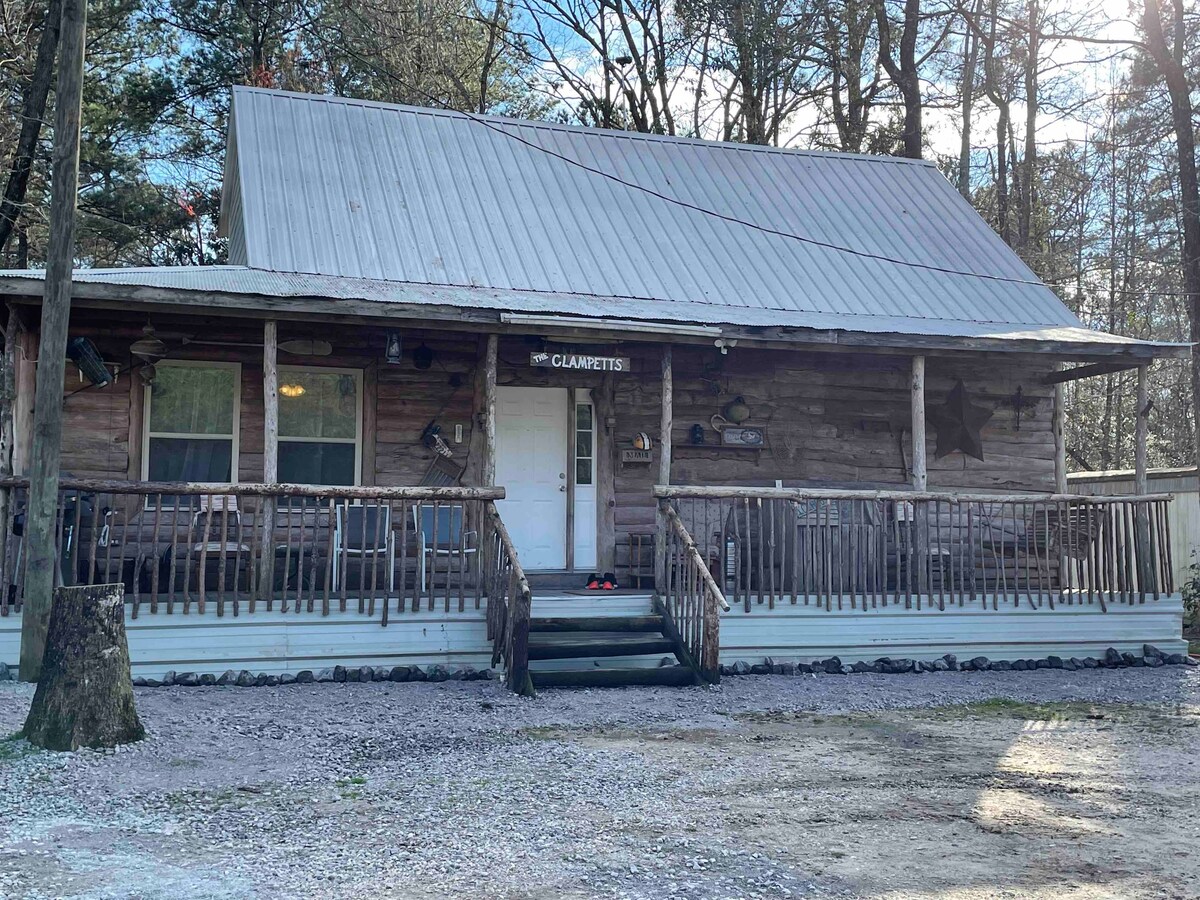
point(837, 419)
point(831, 419)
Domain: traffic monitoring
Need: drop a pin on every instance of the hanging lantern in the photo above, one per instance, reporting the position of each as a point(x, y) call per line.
point(422, 357)
point(737, 412)
point(394, 349)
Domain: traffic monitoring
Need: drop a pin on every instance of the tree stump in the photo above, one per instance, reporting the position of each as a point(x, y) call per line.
point(84, 696)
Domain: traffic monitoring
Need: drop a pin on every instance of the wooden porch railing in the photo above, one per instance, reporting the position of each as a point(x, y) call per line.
point(247, 548)
point(868, 549)
point(510, 603)
point(691, 598)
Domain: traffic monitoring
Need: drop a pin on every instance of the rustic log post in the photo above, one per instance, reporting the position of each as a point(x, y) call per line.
point(605, 450)
point(8, 397)
point(920, 472)
point(1058, 426)
point(25, 373)
point(491, 354)
point(486, 420)
point(41, 516)
point(266, 579)
point(920, 475)
point(710, 655)
point(1146, 575)
point(8, 387)
point(84, 697)
point(664, 472)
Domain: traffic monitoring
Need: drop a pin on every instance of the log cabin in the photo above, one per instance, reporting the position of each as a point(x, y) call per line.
point(462, 373)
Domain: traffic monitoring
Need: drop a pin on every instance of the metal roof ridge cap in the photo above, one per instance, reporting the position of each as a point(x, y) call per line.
point(584, 129)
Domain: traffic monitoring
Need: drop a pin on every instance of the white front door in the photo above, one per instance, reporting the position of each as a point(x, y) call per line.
point(531, 465)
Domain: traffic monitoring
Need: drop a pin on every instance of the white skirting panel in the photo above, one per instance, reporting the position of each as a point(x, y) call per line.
point(805, 633)
point(276, 642)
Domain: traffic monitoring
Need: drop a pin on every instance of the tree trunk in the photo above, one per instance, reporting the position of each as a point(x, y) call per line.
point(33, 112)
point(41, 560)
point(85, 695)
point(1169, 57)
point(1025, 225)
point(970, 55)
point(904, 72)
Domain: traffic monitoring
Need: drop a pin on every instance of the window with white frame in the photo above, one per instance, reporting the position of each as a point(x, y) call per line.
point(320, 425)
point(191, 419)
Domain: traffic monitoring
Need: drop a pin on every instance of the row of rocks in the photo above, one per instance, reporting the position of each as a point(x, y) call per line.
point(245, 678)
point(1151, 657)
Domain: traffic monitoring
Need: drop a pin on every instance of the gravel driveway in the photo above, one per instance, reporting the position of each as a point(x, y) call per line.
point(1046, 784)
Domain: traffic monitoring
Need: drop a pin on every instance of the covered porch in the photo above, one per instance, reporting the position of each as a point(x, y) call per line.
point(290, 492)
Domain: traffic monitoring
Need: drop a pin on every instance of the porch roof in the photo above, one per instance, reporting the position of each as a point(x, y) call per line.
point(240, 287)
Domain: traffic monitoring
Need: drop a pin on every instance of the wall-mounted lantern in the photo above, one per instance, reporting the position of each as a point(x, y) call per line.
point(394, 349)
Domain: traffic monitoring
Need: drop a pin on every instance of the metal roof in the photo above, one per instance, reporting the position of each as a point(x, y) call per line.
point(327, 186)
point(198, 285)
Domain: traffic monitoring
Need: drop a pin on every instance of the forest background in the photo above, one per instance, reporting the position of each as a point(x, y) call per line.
point(1069, 124)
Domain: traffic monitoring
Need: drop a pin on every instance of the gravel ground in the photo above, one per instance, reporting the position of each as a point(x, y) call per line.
point(825, 787)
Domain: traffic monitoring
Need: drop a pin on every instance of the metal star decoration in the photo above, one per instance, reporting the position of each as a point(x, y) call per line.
point(958, 423)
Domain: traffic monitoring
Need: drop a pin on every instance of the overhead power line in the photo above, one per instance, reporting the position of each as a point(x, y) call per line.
point(734, 220)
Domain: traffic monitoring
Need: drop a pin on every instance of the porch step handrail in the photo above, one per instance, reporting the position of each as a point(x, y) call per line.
point(737, 492)
point(691, 600)
point(509, 607)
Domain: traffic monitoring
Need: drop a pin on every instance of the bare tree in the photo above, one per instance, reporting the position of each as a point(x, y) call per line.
point(33, 113)
point(1165, 25)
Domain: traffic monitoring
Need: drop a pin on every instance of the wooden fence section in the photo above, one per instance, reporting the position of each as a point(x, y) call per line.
point(291, 549)
point(868, 549)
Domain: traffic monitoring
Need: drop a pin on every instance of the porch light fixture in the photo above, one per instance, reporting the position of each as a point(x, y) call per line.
point(394, 348)
point(291, 390)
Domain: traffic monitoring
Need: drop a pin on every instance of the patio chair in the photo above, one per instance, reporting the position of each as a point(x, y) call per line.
point(440, 535)
point(363, 532)
point(222, 518)
point(214, 534)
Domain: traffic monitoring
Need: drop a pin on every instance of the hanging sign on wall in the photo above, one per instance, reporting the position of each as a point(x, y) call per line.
point(584, 362)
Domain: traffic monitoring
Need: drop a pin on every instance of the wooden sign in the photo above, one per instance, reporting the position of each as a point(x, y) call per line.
point(583, 362)
point(637, 456)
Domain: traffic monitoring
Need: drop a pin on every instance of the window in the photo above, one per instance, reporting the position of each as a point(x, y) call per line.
point(192, 422)
point(584, 444)
point(320, 425)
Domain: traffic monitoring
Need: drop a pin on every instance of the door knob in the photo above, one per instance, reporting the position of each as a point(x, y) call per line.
point(563, 488)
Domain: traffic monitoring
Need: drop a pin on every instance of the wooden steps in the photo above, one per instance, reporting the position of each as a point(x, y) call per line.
point(584, 649)
point(592, 643)
point(576, 624)
point(671, 676)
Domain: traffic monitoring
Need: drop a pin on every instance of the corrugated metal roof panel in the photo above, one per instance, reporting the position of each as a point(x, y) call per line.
point(257, 283)
point(354, 189)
